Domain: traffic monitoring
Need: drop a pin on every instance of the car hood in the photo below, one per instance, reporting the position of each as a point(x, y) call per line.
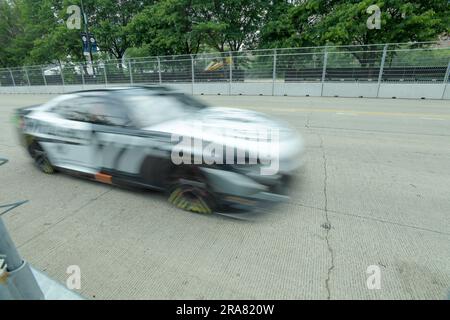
point(238, 128)
point(223, 121)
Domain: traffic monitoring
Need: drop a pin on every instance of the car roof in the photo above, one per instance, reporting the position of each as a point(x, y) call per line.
point(151, 89)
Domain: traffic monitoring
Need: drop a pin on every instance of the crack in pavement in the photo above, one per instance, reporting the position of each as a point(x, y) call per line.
point(327, 224)
point(341, 213)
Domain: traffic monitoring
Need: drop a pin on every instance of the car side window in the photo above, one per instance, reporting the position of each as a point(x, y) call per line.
point(71, 110)
point(97, 110)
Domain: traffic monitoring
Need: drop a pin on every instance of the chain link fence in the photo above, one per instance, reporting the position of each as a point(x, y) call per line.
point(409, 63)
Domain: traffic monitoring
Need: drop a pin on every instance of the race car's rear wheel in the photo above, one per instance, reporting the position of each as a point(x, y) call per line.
point(188, 191)
point(40, 158)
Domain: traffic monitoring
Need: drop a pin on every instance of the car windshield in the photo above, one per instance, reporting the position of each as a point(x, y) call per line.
point(150, 109)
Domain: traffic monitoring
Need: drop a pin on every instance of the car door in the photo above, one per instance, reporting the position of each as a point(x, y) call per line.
point(70, 146)
point(90, 133)
point(110, 128)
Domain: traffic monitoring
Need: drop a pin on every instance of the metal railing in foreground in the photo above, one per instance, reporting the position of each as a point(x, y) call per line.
point(18, 280)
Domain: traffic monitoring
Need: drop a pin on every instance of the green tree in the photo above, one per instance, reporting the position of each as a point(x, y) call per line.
point(339, 22)
point(37, 34)
point(277, 29)
point(32, 33)
point(56, 42)
point(232, 24)
point(108, 20)
point(9, 30)
point(26, 23)
point(167, 27)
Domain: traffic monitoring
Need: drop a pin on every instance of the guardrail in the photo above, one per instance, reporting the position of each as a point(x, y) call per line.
point(16, 277)
point(369, 70)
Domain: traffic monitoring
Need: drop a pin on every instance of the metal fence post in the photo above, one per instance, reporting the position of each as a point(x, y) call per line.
point(192, 73)
point(26, 74)
point(324, 69)
point(104, 73)
point(159, 70)
point(274, 70)
point(12, 77)
point(445, 83)
point(380, 74)
point(231, 73)
point(62, 75)
point(131, 73)
point(82, 75)
point(43, 76)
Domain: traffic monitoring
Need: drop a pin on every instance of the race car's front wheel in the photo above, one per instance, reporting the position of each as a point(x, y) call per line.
point(189, 192)
point(40, 158)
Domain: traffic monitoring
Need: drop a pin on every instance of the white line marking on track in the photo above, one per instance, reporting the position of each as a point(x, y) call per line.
point(439, 119)
point(346, 113)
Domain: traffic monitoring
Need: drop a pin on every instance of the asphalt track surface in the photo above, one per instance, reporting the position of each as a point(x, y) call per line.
point(375, 190)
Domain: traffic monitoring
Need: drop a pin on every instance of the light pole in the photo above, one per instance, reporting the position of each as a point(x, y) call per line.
point(86, 29)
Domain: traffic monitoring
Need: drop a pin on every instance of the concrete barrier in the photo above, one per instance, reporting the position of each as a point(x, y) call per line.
point(436, 90)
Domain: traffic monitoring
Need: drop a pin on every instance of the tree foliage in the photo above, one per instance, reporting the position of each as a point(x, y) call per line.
point(343, 22)
point(35, 33)
point(167, 27)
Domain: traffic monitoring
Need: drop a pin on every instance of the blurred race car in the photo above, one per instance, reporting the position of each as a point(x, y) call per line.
point(132, 136)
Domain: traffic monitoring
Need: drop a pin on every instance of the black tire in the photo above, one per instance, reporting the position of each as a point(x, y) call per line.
point(188, 190)
point(40, 158)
